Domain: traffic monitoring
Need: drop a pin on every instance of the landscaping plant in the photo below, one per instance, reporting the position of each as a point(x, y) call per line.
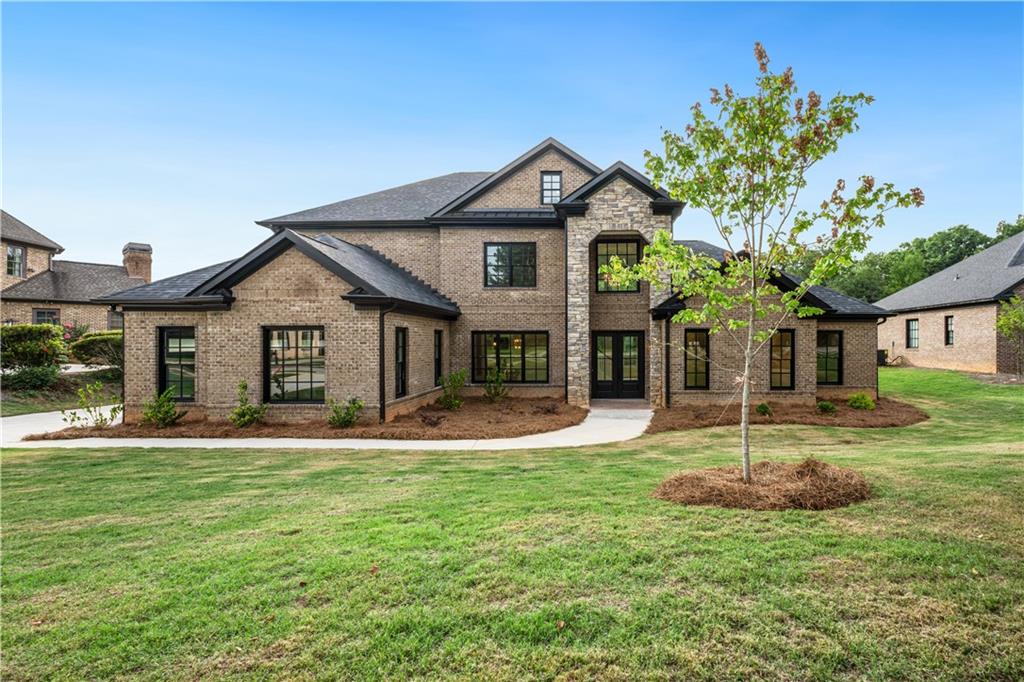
point(764, 409)
point(74, 331)
point(100, 348)
point(31, 345)
point(89, 412)
point(826, 407)
point(494, 386)
point(162, 411)
point(247, 414)
point(1010, 325)
point(861, 401)
point(451, 388)
point(745, 166)
point(32, 378)
point(343, 415)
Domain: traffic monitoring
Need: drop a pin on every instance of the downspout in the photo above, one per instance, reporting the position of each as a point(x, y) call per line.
point(381, 392)
point(878, 392)
point(565, 230)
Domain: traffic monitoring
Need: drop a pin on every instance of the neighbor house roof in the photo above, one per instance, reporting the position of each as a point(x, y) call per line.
point(14, 230)
point(169, 288)
point(72, 282)
point(987, 276)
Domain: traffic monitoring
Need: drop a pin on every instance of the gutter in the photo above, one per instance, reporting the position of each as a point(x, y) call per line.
point(381, 392)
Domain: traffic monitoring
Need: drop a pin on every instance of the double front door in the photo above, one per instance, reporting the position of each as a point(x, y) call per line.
point(617, 365)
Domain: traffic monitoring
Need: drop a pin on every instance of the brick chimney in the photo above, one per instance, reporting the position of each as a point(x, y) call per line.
point(138, 260)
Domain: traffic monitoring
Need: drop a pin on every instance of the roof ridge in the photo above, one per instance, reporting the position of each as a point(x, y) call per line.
point(377, 254)
point(85, 262)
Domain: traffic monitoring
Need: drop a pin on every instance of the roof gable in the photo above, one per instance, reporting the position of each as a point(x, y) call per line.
point(14, 230)
point(661, 202)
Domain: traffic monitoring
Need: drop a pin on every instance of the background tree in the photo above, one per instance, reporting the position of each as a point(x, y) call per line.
point(1007, 229)
point(947, 247)
point(746, 166)
point(1010, 325)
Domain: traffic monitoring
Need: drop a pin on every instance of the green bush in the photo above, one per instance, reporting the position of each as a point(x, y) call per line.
point(89, 412)
point(861, 401)
point(247, 414)
point(451, 387)
point(494, 386)
point(100, 348)
point(32, 378)
point(825, 407)
point(765, 410)
point(31, 345)
point(162, 411)
point(343, 415)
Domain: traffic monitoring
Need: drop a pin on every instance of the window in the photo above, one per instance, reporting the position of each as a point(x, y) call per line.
point(16, 260)
point(550, 187)
point(521, 357)
point(512, 264)
point(438, 349)
point(912, 334)
point(45, 316)
point(627, 251)
point(401, 361)
point(949, 330)
point(294, 369)
point(830, 357)
point(178, 362)
point(115, 319)
point(783, 367)
point(696, 359)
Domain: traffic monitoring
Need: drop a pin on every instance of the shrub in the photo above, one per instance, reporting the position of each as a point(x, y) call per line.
point(451, 387)
point(246, 414)
point(861, 401)
point(162, 411)
point(343, 415)
point(825, 407)
point(31, 345)
point(765, 410)
point(494, 386)
point(100, 348)
point(90, 408)
point(33, 378)
point(74, 331)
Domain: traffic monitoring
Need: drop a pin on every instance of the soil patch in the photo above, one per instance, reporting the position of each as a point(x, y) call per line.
point(887, 413)
point(998, 379)
point(476, 419)
point(811, 484)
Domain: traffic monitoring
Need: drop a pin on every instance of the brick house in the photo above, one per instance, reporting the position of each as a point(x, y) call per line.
point(38, 288)
point(379, 296)
point(948, 320)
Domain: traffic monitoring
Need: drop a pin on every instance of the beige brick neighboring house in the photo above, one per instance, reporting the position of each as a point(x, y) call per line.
point(40, 288)
point(378, 296)
point(947, 321)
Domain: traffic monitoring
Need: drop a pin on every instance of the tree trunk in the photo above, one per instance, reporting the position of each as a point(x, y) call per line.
point(745, 405)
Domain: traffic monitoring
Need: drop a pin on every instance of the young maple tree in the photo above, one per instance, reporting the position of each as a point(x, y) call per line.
point(746, 166)
point(1010, 324)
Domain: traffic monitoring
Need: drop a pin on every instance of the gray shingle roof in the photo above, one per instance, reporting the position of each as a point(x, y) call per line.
point(985, 276)
point(412, 202)
point(14, 230)
point(168, 288)
point(72, 281)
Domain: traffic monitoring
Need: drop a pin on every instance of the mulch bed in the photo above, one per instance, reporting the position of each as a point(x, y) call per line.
point(476, 419)
point(811, 484)
point(887, 413)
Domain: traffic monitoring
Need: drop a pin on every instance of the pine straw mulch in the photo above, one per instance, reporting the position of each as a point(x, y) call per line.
point(811, 484)
point(887, 413)
point(476, 419)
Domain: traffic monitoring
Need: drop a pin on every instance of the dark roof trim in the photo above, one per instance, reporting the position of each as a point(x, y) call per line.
point(497, 223)
point(49, 301)
point(367, 300)
point(343, 224)
point(1003, 296)
point(661, 202)
point(500, 174)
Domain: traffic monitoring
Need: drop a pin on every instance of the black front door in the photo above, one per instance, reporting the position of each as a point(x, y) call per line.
point(617, 365)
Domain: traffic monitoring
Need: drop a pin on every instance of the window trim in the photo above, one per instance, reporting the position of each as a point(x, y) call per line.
point(265, 342)
point(707, 362)
point(22, 262)
point(792, 361)
point(597, 267)
point(561, 187)
point(841, 359)
point(917, 334)
point(510, 267)
point(473, 355)
point(402, 377)
point(46, 310)
point(161, 365)
point(949, 336)
point(438, 356)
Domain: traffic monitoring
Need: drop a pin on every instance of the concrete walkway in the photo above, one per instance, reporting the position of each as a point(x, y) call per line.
point(604, 424)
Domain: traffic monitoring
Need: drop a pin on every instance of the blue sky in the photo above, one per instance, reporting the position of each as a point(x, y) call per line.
point(181, 124)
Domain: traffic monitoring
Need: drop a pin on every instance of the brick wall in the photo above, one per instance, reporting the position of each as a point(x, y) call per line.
point(860, 370)
point(420, 348)
point(522, 188)
point(36, 260)
point(96, 316)
point(974, 343)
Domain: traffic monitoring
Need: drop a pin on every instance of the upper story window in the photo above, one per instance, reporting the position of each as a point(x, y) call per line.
point(628, 252)
point(293, 370)
point(783, 364)
point(510, 264)
point(15, 260)
point(550, 187)
point(178, 362)
point(830, 357)
point(696, 349)
point(912, 334)
point(45, 316)
point(949, 330)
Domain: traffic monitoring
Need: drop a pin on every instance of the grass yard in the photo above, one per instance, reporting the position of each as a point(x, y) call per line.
point(64, 396)
point(547, 565)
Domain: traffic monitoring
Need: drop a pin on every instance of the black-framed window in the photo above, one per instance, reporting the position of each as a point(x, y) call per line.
point(913, 330)
point(628, 252)
point(401, 361)
point(521, 357)
point(949, 330)
point(438, 355)
point(177, 364)
point(783, 362)
point(830, 356)
point(550, 187)
point(294, 364)
point(696, 348)
point(15, 260)
point(510, 264)
point(45, 316)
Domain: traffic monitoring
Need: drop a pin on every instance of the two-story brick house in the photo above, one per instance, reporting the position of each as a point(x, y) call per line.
point(379, 296)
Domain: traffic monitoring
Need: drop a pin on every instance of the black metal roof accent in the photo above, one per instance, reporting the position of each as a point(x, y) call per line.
point(661, 202)
point(13, 230)
point(70, 281)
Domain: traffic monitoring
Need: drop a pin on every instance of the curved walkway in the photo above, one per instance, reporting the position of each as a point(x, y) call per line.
point(602, 425)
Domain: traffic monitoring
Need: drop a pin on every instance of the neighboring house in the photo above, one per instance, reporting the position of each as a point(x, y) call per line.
point(379, 296)
point(37, 288)
point(948, 320)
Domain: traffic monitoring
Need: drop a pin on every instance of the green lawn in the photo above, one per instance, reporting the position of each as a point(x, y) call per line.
point(182, 564)
point(63, 397)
